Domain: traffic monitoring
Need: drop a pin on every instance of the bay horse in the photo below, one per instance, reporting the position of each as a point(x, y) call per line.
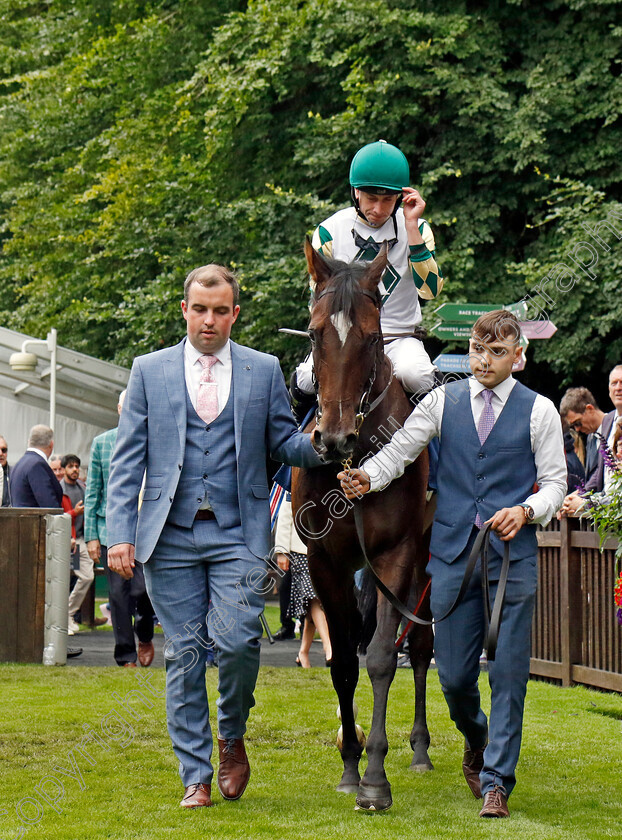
point(360, 403)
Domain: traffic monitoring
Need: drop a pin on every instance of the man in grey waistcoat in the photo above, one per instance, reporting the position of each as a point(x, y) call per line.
point(497, 441)
point(199, 421)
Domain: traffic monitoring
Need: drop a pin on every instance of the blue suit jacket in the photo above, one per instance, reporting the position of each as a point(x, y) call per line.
point(152, 438)
point(597, 479)
point(33, 483)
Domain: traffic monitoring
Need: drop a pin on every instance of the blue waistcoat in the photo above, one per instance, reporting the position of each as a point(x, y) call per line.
point(209, 467)
point(473, 479)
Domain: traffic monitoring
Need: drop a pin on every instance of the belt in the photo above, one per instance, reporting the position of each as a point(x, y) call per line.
point(204, 514)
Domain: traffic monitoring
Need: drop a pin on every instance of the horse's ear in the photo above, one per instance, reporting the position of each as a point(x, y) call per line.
point(318, 268)
point(372, 277)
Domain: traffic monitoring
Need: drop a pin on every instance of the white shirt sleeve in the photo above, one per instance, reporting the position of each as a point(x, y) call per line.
point(547, 445)
point(420, 427)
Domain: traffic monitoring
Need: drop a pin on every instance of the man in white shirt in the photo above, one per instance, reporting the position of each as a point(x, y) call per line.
point(498, 440)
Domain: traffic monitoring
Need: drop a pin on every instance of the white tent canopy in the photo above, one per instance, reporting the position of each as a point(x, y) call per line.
point(87, 392)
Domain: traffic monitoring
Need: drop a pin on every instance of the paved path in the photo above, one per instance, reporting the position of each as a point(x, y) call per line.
point(98, 646)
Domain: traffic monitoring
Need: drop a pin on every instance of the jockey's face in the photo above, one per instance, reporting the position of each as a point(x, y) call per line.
point(377, 209)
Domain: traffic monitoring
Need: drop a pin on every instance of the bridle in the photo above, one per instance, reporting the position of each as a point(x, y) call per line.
point(364, 408)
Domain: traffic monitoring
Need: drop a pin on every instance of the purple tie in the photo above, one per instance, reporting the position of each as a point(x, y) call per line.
point(484, 428)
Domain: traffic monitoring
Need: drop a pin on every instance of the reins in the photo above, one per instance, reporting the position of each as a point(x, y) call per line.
point(480, 547)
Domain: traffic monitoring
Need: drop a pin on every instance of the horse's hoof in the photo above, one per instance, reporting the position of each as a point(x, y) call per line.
point(373, 799)
point(421, 768)
point(347, 787)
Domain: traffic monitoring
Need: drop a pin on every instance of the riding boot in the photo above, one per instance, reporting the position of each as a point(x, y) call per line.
point(301, 402)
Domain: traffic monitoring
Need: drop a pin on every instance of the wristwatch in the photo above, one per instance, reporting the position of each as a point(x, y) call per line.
point(529, 512)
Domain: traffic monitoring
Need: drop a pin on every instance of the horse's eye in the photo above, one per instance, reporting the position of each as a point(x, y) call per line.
point(374, 339)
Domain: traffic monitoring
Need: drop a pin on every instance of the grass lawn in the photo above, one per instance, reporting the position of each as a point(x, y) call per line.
point(568, 776)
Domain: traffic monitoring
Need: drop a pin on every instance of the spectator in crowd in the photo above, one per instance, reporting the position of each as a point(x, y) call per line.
point(5, 474)
point(74, 490)
point(601, 476)
point(55, 463)
point(291, 552)
point(580, 412)
point(130, 607)
point(576, 470)
point(33, 484)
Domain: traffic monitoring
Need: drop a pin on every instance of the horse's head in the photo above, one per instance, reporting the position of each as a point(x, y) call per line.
point(347, 347)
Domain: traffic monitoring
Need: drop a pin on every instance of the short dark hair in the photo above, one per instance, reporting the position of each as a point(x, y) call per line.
point(576, 400)
point(498, 325)
point(66, 460)
point(213, 274)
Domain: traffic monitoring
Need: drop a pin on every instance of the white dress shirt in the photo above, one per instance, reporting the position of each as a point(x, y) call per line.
point(39, 453)
point(425, 422)
point(608, 475)
point(221, 372)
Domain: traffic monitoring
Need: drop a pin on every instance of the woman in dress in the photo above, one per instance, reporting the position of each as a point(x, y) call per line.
point(304, 604)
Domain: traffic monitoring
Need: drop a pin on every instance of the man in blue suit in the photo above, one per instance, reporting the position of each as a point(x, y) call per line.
point(198, 423)
point(33, 484)
point(497, 440)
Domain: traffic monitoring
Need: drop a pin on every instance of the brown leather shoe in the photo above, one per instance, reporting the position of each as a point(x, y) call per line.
point(197, 796)
point(234, 770)
point(472, 763)
point(129, 664)
point(495, 803)
point(145, 653)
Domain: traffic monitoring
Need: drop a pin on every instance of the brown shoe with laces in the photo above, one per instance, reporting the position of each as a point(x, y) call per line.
point(145, 653)
point(495, 803)
point(197, 796)
point(472, 763)
point(234, 770)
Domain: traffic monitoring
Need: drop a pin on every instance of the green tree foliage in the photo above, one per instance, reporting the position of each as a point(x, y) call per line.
point(139, 139)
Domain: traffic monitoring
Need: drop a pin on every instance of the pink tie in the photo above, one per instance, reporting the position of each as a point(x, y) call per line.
point(207, 400)
point(484, 428)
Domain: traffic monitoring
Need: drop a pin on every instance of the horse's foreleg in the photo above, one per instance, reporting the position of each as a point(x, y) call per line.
point(420, 646)
point(374, 790)
point(344, 627)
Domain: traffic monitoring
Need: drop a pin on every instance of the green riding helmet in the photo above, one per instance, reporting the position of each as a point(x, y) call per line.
point(379, 167)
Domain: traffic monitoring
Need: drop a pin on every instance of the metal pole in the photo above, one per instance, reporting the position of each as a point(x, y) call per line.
point(51, 341)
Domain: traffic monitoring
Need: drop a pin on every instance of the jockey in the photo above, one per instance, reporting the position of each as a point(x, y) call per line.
point(386, 210)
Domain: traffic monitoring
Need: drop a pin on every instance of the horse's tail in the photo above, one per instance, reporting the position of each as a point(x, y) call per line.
point(367, 600)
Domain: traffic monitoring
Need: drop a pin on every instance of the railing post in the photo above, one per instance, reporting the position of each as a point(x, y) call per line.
point(570, 598)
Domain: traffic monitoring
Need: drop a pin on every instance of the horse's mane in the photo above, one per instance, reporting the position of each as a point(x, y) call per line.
point(344, 280)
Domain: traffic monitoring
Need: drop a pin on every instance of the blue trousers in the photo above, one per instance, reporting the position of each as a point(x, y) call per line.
point(197, 601)
point(458, 643)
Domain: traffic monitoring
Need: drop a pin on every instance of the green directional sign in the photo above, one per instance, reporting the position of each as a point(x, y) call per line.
point(453, 329)
point(465, 313)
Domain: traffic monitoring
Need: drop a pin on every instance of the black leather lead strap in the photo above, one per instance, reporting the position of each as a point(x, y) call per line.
point(493, 620)
point(480, 540)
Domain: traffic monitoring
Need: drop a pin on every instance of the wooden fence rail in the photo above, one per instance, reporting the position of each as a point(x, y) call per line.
point(576, 637)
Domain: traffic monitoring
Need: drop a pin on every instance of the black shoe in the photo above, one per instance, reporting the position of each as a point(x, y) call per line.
point(283, 634)
point(73, 652)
